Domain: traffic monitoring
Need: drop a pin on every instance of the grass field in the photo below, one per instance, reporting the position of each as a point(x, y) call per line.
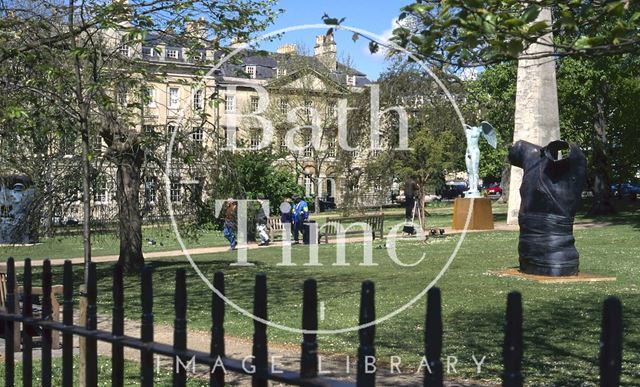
point(561, 321)
point(106, 243)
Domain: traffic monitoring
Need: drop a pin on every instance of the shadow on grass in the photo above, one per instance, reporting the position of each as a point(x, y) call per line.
point(561, 339)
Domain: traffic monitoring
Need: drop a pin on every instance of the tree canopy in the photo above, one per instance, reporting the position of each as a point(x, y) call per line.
point(480, 32)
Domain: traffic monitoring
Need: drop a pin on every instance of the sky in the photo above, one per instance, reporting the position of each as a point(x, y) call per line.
point(375, 16)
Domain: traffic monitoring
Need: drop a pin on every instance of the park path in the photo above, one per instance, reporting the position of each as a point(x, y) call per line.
point(286, 357)
point(498, 226)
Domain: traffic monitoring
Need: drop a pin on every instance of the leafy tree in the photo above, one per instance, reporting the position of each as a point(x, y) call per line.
point(594, 97)
point(78, 48)
point(596, 112)
point(312, 103)
point(436, 138)
point(255, 172)
point(482, 32)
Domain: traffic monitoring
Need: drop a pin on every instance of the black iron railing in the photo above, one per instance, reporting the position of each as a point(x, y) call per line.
point(307, 375)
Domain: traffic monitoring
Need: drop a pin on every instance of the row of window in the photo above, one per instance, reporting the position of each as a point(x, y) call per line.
point(101, 192)
point(251, 71)
point(171, 53)
point(173, 98)
point(283, 104)
point(230, 105)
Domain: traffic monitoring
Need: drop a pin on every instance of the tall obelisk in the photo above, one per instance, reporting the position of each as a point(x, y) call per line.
point(536, 118)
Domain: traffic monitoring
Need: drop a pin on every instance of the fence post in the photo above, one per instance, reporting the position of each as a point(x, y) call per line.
point(512, 349)
point(117, 328)
point(146, 327)
point(260, 351)
point(10, 326)
point(433, 374)
point(611, 343)
point(216, 378)
point(82, 341)
point(91, 345)
point(309, 357)
point(180, 329)
point(46, 333)
point(366, 351)
point(27, 329)
point(67, 319)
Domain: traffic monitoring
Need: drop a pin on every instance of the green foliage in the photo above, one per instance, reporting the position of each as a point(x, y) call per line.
point(248, 174)
point(471, 33)
point(436, 136)
point(614, 83)
point(581, 81)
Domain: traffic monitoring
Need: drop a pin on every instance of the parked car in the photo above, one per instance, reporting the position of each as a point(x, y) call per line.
point(428, 198)
point(625, 189)
point(453, 190)
point(494, 189)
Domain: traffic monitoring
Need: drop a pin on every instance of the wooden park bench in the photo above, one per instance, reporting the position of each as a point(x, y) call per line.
point(274, 225)
point(37, 310)
point(375, 222)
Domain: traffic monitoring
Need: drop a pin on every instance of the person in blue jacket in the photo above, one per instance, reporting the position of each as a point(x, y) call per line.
point(300, 215)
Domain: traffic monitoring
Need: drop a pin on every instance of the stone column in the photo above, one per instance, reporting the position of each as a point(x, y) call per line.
point(536, 118)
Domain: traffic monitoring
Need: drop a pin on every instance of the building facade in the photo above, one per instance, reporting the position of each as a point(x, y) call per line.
point(202, 100)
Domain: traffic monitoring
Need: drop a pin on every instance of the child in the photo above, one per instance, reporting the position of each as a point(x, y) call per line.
point(231, 223)
point(261, 222)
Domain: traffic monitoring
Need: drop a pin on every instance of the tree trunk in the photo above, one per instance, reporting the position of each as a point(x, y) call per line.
point(601, 180)
point(504, 183)
point(316, 200)
point(129, 216)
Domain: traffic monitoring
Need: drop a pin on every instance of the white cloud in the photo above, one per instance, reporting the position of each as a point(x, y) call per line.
point(387, 34)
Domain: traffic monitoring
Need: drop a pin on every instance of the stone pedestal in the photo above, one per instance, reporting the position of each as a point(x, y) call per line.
point(481, 217)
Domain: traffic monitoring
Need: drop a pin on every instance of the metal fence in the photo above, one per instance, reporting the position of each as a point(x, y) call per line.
point(307, 375)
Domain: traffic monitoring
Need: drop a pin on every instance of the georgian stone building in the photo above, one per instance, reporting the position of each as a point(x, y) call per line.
point(209, 105)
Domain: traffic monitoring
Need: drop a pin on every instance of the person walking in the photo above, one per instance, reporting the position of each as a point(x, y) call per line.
point(300, 215)
point(231, 223)
point(411, 189)
point(261, 222)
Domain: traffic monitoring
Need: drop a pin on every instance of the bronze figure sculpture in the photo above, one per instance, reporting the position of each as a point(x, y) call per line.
point(551, 188)
point(472, 156)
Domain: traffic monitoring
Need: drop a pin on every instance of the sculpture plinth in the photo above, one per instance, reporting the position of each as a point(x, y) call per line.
point(481, 215)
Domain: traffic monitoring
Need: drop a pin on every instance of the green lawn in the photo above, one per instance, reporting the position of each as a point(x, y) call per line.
point(106, 243)
point(562, 321)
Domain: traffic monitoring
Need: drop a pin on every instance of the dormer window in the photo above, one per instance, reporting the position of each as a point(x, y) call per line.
point(280, 72)
point(251, 71)
point(351, 80)
point(147, 51)
point(124, 50)
point(172, 53)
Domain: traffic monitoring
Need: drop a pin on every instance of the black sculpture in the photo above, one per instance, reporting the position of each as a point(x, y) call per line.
point(552, 184)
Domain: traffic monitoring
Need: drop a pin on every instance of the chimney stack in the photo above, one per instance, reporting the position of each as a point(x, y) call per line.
point(325, 50)
point(287, 49)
